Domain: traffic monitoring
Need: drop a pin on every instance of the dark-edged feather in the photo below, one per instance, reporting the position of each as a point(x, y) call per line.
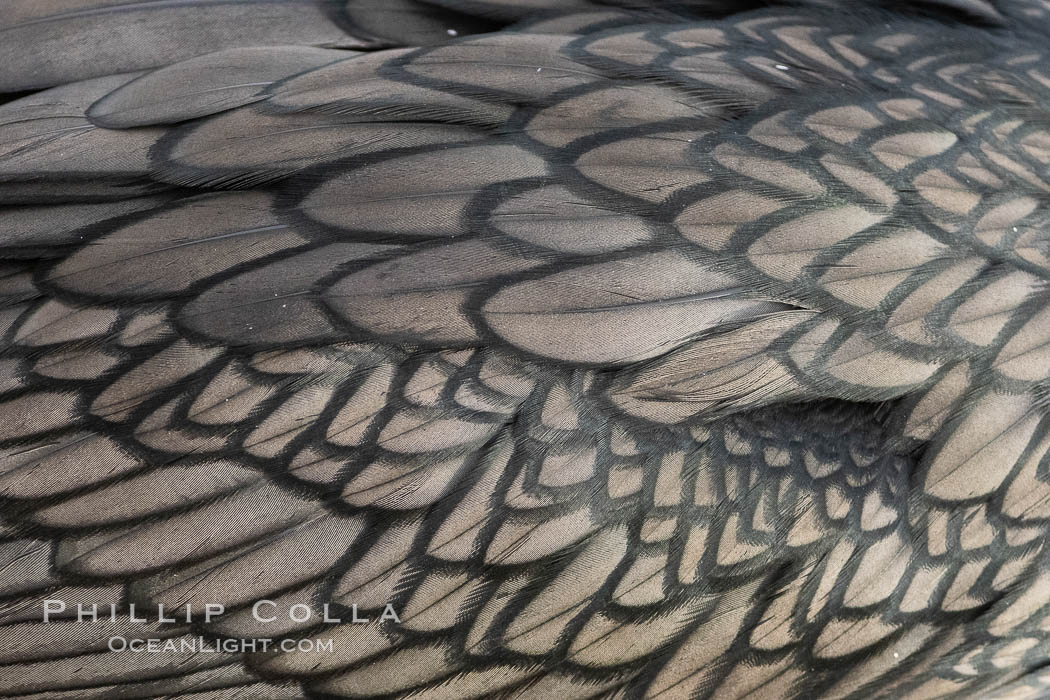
point(622, 349)
point(120, 37)
point(204, 85)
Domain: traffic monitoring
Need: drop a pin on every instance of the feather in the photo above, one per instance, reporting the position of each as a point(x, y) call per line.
point(630, 313)
point(233, 228)
point(274, 302)
point(204, 85)
point(246, 147)
point(602, 348)
point(356, 90)
point(375, 197)
point(46, 141)
point(428, 290)
point(48, 230)
point(120, 37)
point(411, 23)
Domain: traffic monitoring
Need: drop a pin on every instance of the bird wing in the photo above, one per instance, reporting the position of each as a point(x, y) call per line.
point(695, 358)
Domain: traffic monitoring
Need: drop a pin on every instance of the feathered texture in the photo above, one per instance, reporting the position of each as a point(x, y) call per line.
point(620, 349)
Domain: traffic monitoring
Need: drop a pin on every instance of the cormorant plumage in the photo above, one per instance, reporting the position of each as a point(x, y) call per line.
point(558, 348)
